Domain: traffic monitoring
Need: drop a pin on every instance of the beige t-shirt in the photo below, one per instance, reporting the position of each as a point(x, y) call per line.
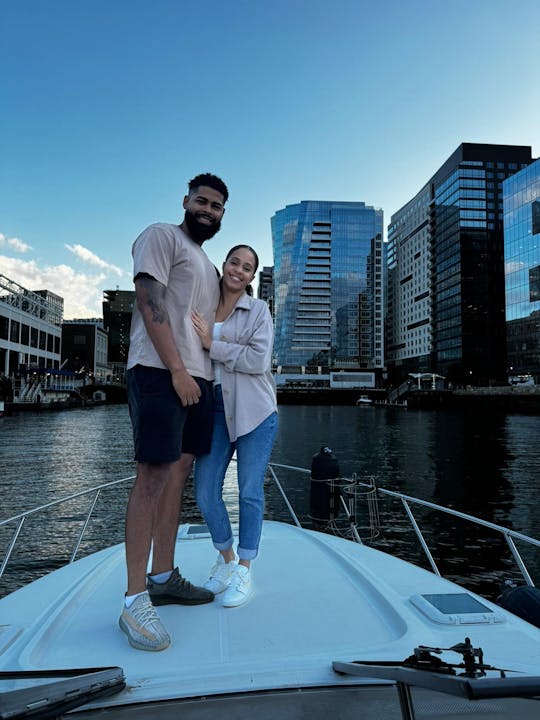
point(166, 253)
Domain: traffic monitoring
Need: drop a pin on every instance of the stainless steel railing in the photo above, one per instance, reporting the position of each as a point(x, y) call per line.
point(407, 501)
point(21, 518)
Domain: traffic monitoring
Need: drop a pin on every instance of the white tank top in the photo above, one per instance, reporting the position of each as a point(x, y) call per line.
point(216, 366)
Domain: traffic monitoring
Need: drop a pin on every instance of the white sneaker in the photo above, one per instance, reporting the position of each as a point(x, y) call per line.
point(220, 575)
point(239, 589)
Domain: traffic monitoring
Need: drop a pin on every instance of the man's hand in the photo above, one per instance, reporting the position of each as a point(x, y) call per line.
point(186, 388)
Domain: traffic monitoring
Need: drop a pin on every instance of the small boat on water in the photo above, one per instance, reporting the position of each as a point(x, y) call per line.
point(364, 400)
point(335, 628)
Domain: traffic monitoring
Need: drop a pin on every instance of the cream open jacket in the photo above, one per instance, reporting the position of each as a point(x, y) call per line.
point(244, 352)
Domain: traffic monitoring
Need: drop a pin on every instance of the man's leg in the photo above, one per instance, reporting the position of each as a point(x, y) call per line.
point(167, 515)
point(165, 584)
point(139, 620)
point(141, 509)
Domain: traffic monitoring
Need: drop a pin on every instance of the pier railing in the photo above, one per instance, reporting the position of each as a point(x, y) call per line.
point(407, 501)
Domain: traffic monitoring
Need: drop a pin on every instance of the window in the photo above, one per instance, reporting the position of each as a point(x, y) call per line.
point(535, 210)
point(534, 284)
point(14, 331)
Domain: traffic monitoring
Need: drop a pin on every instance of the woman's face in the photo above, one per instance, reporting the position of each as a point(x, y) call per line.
point(238, 270)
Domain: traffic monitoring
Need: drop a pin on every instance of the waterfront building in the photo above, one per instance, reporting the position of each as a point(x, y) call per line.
point(265, 288)
point(328, 285)
point(30, 328)
point(408, 297)
point(449, 241)
point(84, 347)
point(117, 311)
point(521, 204)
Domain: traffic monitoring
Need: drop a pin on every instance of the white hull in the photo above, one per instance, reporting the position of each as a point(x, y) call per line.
point(317, 599)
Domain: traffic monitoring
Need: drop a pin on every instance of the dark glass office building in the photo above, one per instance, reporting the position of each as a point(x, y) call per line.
point(328, 284)
point(521, 202)
point(467, 268)
point(117, 311)
point(446, 304)
point(265, 290)
point(84, 347)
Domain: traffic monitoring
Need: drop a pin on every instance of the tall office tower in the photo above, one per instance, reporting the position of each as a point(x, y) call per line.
point(328, 284)
point(521, 203)
point(117, 311)
point(408, 297)
point(265, 289)
point(466, 285)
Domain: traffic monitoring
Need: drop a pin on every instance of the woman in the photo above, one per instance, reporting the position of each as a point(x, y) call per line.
point(245, 420)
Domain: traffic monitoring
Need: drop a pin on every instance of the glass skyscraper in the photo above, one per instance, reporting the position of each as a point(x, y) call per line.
point(446, 310)
point(521, 202)
point(328, 284)
point(467, 269)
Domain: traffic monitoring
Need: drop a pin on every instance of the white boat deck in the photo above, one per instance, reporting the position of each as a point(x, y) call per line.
point(317, 599)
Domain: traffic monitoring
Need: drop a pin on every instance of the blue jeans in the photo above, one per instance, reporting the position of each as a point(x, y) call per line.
point(253, 453)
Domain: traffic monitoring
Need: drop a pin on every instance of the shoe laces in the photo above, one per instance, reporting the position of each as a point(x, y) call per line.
point(144, 612)
point(180, 583)
point(239, 580)
point(221, 571)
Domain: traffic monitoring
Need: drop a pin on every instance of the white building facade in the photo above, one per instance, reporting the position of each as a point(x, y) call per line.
point(30, 328)
point(409, 325)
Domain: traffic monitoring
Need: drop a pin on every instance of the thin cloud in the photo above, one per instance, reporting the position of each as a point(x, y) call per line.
point(14, 244)
point(82, 293)
point(88, 256)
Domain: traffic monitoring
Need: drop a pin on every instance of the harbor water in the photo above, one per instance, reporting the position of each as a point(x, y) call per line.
point(484, 464)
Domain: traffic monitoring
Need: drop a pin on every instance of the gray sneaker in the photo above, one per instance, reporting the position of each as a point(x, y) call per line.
point(142, 625)
point(177, 590)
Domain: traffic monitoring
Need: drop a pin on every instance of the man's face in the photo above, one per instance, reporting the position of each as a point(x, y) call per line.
point(204, 209)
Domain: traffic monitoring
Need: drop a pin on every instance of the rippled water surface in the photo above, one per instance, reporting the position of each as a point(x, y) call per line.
point(483, 464)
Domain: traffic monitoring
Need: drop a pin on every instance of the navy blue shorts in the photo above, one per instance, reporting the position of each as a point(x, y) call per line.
point(163, 428)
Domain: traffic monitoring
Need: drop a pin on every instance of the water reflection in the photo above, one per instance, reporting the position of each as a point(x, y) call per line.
point(484, 464)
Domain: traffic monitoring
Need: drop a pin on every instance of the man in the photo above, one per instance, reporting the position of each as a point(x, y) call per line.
point(170, 398)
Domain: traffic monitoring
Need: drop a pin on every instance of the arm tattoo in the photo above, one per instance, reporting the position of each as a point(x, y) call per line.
point(154, 298)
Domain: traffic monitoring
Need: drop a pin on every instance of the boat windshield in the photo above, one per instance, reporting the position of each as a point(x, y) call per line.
point(23, 693)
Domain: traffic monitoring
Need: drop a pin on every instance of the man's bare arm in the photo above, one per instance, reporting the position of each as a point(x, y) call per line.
point(150, 296)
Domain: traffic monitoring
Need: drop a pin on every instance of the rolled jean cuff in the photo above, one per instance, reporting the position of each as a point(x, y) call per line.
point(224, 545)
point(245, 554)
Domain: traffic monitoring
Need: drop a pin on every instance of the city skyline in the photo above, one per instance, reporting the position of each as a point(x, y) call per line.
point(109, 109)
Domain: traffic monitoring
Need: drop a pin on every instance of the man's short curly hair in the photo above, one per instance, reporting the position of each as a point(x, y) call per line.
point(209, 180)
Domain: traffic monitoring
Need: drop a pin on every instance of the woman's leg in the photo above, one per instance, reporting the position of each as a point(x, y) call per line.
point(209, 476)
point(253, 454)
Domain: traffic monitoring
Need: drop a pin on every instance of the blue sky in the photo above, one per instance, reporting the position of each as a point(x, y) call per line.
point(109, 107)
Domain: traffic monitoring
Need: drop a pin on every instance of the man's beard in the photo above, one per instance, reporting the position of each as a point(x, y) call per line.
point(198, 231)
